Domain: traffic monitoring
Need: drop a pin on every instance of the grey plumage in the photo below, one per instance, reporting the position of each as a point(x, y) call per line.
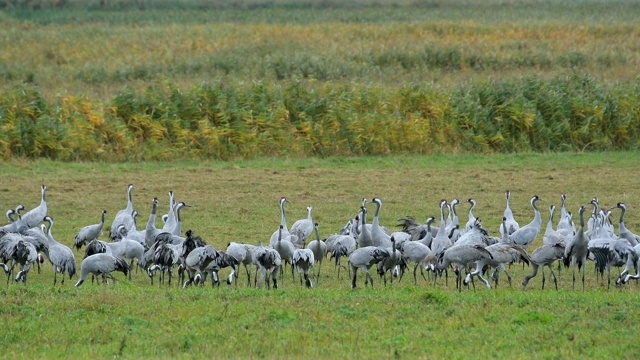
point(268, 260)
point(151, 231)
point(123, 217)
point(420, 255)
point(89, 232)
point(364, 258)
point(463, 256)
point(319, 249)
point(34, 216)
point(101, 264)
point(303, 227)
point(244, 255)
point(343, 246)
point(576, 251)
point(543, 256)
point(221, 261)
point(512, 224)
point(197, 261)
point(303, 259)
point(528, 233)
point(60, 255)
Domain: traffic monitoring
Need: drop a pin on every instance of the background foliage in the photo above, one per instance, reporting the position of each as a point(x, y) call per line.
point(135, 80)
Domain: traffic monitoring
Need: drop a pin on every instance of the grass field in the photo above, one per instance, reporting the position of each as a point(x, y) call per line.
point(238, 201)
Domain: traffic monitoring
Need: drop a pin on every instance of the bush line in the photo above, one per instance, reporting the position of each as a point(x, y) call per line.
point(303, 118)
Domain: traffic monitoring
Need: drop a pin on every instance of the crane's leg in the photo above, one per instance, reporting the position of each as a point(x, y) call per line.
point(543, 278)
point(555, 280)
point(574, 275)
point(274, 276)
point(529, 277)
point(355, 275)
point(318, 276)
point(370, 278)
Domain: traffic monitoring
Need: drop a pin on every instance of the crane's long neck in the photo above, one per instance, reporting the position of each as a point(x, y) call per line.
point(129, 200)
point(44, 200)
point(441, 229)
point(309, 214)
point(550, 222)
point(473, 204)
point(283, 219)
point(152, 217)
point(315, 228)
point(622, 210)
point(563, 207)
point(103, 216)
point(10, 213)
point(376, 222)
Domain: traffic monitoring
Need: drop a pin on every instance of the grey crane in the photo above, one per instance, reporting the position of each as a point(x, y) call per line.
point(285, 248)
point(170, 222)
point(19, 251)
point(96, 247)
point(577, 250)
point(550, 235)
point(197, 261)
point(419, 232)
point(101, 265)
point(543, 256)
point(528, 233)
point(283, 231)
point(632, 261)
point(607, 252)
point(131, 234)
point(303, 259)
point(623, 232)
point(390, 263)
point(177, 230)
point(512, 224)
point(89, 232)
point(151, 230)
point(123, 217)
point(34, 216)
point(319, 249)
point(462, 256)
point(222, 260)
point(243, 253)
point(453, 226)
point(477, 235)
point(127, 249)
point(503, 253)
point(472, 219)
point(364, 237)
point(268, 260)
point(15, 225)
point(344, 245)
point(60, 255)
point(441, 242)
point(303, 227)
point(364, 258)
point(378, 235)
point(420, 255)
point(565, 225)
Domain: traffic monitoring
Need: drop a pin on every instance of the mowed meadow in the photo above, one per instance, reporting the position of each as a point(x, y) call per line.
point(238, 201)
point(160, 80)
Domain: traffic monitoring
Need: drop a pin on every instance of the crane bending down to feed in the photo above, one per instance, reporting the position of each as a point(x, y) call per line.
point(101, 264)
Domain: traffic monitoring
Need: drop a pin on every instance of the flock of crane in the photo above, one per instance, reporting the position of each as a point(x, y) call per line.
point(28, 239)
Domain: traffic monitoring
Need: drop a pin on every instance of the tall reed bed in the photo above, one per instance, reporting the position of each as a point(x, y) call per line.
point(228, 120)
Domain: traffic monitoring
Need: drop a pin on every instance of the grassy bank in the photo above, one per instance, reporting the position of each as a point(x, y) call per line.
point(238, 201)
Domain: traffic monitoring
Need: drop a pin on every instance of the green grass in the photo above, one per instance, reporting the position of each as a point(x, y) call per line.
point(238, 201)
